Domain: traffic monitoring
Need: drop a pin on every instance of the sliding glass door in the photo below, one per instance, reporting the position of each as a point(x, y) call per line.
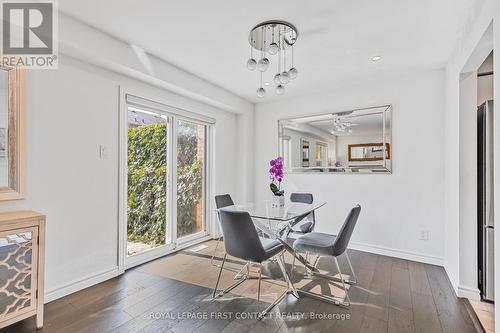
point(190, 179)
point(165, 183)
point(147, 186)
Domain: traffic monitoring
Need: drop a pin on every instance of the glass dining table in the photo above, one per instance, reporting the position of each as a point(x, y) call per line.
point(277, 222)
point(277, 219)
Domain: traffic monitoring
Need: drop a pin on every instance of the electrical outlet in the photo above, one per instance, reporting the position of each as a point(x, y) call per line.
point(424, 235)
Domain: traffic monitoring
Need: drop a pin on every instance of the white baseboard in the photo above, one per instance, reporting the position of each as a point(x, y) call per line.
point(451, 280)
point(76, 285)
point(408, 255)
point(468, 292)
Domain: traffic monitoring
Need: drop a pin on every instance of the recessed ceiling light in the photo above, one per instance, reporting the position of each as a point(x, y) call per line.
point(376, 58)
point(266, 83)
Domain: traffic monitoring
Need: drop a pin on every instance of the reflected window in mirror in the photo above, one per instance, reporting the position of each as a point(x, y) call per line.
point(355, 141)
point(287, 163)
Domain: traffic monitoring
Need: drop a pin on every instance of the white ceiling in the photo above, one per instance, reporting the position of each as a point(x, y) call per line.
point(336, 40)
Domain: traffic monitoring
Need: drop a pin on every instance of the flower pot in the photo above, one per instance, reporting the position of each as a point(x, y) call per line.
point(278, 201)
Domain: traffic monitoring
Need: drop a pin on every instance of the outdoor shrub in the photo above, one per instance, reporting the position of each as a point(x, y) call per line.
point(147, 177)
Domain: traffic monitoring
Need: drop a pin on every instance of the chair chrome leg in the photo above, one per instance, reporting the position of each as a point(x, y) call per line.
point(281, 297)
point(258, 290)
point(342, 280)
point(309, 273)
point(215, 251)
point(276, 302)
point(293, 267)
point(352, 270)
point(218, 277)
point(291, 287)
point(231, 287)
point(239, 275)
point(316, 261)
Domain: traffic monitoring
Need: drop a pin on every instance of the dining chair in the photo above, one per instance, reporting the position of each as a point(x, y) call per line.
point(221, 201)
point(308, 222)
point(242, 241)
point(326, 245)
point(309, 219)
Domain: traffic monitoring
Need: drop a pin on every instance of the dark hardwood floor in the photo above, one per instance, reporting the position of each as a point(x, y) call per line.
point(392, 295)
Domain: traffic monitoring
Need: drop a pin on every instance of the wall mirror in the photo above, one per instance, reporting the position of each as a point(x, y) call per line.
point(11, 133)
point(354, 141)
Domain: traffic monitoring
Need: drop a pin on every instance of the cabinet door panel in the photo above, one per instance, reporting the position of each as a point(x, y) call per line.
point(18, 270)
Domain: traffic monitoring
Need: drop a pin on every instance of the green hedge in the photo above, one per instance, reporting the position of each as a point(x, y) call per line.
point(147, 176)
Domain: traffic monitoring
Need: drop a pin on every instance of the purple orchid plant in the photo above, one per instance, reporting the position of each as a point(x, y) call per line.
point(276, 176)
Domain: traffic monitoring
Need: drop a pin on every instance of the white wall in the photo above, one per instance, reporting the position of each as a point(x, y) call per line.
point(70, 112)
point(396, 207)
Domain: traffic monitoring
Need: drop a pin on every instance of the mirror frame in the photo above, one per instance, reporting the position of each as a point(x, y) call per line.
point(15, 135)
point(385, 166)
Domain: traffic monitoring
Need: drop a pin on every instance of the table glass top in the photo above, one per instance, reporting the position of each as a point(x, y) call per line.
point(264, 210)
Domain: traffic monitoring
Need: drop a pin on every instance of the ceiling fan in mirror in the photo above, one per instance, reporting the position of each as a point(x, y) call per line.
point(342, 125)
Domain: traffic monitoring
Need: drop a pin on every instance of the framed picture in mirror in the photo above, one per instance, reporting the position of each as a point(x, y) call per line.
point(363, 152)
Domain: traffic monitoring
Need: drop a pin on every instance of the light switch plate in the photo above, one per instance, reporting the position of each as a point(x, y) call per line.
point(103, 152)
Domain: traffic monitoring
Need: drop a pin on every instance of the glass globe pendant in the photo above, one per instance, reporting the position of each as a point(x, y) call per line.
point(293, 72)
point(284, 78)
point(280, 89)
point(261, 92)
point(277, 79)
point(273, 48)
point(263, 64)
point(251, 64)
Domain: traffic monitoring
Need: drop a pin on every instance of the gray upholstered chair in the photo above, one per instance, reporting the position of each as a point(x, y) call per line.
point(304, 224)
point(242, 241)
point(221, 201)
point(330, 246)
point(308, 220)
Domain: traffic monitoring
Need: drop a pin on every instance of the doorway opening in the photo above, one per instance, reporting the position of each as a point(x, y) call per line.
point(485, 194)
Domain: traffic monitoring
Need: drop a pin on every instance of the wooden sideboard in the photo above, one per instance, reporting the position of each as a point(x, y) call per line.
point(22, 246)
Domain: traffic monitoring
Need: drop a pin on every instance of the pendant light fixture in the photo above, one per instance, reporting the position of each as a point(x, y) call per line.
point(273, 38)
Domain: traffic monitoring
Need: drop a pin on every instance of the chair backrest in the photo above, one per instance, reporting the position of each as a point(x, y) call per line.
point(302, 197)
point(345, 233)
point(223, 200)
point(240, 237)
point(308, 199)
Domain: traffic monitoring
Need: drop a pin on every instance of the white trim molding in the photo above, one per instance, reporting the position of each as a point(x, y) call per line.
point(402, 254)
point(77, 285)
point(468, 292)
